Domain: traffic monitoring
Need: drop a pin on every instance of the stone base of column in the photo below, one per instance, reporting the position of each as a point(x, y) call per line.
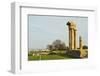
point(77, 53)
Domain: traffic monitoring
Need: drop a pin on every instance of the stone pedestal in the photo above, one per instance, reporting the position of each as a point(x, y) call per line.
point(77, 53)
point(74, 53)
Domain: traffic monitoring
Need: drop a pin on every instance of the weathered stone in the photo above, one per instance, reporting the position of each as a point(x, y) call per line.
point(73, 51)
point(72, 35)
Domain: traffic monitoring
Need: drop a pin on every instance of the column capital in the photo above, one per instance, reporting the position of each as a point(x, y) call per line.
point(75, 29)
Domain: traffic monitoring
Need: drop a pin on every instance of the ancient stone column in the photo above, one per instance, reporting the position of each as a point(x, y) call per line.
point(80, 43)
point(72, 39)
point(75, 39)
point(72, 35)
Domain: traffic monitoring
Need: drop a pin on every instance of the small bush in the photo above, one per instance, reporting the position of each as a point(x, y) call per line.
point(52, 53)
point(30, 54)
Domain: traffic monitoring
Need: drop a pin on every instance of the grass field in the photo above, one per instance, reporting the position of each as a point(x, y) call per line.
point(45, 55)
point(48, 57)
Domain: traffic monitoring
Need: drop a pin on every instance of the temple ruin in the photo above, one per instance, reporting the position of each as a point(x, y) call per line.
point(73, 51)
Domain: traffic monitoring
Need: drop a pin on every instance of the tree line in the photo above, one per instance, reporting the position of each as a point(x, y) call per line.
point(59, 45)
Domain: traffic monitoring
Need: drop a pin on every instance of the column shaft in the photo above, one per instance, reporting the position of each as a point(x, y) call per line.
point(75, 40)
point(80, 40)
point(72, 39)
point(70, 42)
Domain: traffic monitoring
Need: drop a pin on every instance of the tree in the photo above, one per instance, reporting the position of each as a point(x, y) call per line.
point(50, 47)
point(57, 45)
point(67, 48)
point(63, 46)
point(85, 47)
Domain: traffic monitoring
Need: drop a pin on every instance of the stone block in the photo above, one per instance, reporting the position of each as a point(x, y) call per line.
point(77, 53)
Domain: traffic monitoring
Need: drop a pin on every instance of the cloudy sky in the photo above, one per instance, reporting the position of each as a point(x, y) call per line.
point(43, 30)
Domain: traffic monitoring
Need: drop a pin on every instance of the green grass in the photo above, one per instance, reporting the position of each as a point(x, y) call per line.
point(33, 57)
point(48, 57)
point(55, 55)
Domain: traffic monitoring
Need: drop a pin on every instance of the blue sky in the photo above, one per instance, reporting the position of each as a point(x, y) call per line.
point(43, 30)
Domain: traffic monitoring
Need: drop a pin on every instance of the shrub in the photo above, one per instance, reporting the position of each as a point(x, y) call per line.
point(52, 53)
point(29, 54)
